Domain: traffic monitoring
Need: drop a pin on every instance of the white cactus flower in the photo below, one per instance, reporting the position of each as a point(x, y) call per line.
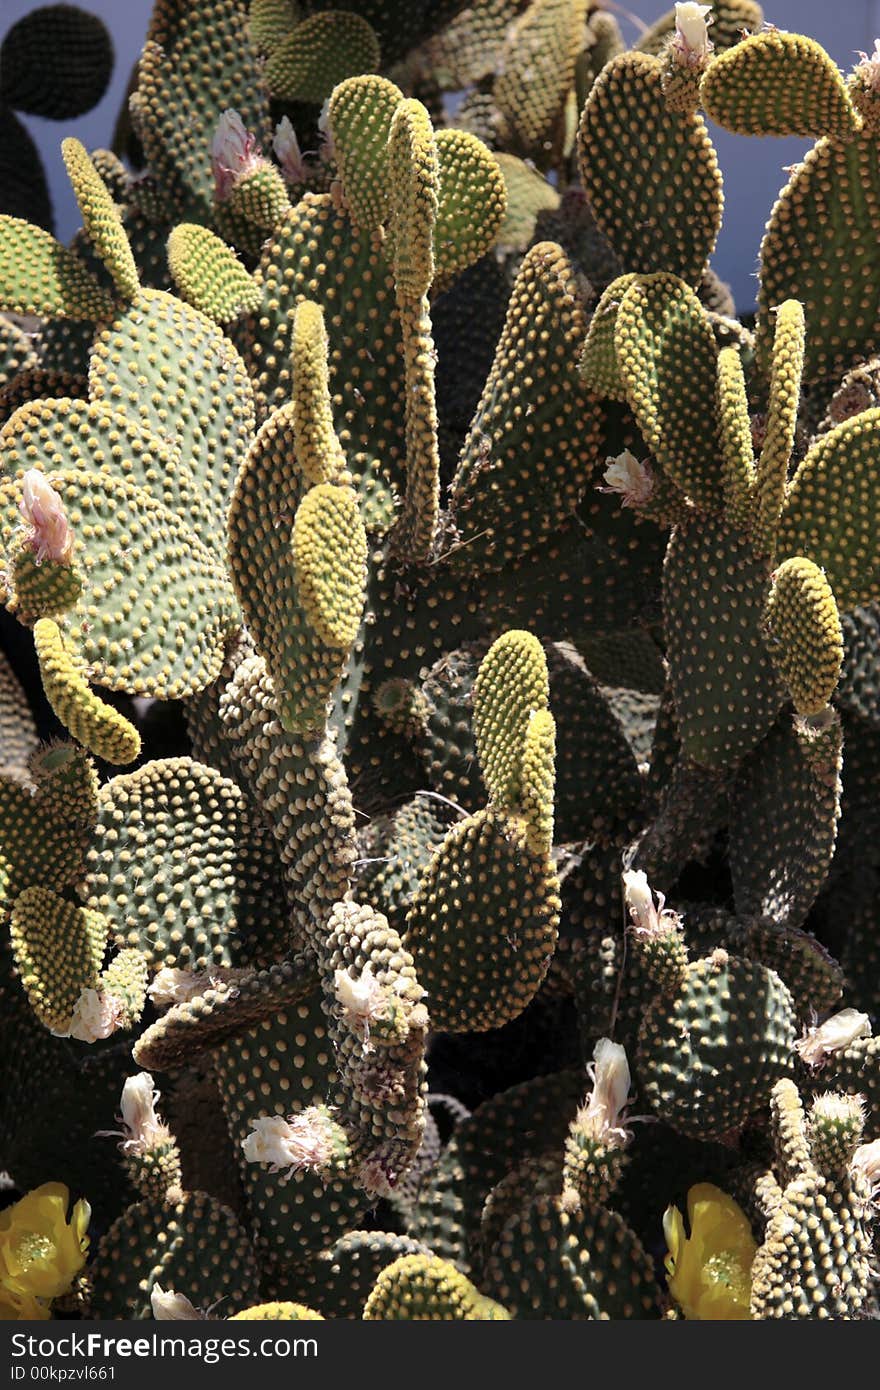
point(836, 1033)
point(96, 1015)
point(303, 1141)
point(866, 1162)
point(234, 154)
point(634, 481)
point(49, 533)
point(169, 1306)
point(609, 1071)
point(692, 44)
point(869, 68)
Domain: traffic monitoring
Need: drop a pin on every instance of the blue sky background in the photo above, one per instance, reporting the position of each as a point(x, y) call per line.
point(753, 169)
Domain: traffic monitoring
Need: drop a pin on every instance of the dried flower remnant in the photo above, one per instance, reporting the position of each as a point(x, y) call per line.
point(49, 532)
point(169, 1306)
point(600, 1117)
point(308, 1141)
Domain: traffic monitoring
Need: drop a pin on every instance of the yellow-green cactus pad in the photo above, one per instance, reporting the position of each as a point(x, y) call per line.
point(667, 359)
point(650, 174)
point(804, 633)
point(776, 83)
point(155, 608)
point(538, 777)
point(95, 724)
point(830, 510)
point(329, 551)
point(58, 950)
point(318, 54)
point(584, 1266)
point(820, 248)
point(525, 462)
point(197, 397)
point(473, 203)
point(727, 693)
point(315, 444)
point(40, 276)
point(415, 531)
point(423, 1288)
point(771, 473)
point(790, 786)
point(181, 870)
point(101, 219)
point(269, 21)
point(483, 926)
point(125, 982)
point(278, 1312)
point(209, 275)
point(598, 361)
point(192, 1244)
point(536, 69)
point(512, 684)
point(360, 114)
point(414, 186)
point(734, 428)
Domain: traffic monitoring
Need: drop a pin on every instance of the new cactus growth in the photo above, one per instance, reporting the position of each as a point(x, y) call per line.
point(441, 666)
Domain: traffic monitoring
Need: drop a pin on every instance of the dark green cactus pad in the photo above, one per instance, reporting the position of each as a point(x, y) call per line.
point(22, 176)
point(856, 1070)
point(727, 694)
point(401, 851)
point(18, 733)
point(207, 887)
point(636, 154)
point(340, 1281)
point(319, 53)
point(521, 1123)
point(281, 1067)
point(193, 1244)
point(536, 70)
point(16, 352)
point(56, 62)
point(790, 786)
point(585, 1266)
point(709, 1056)
point(858, 689)
point(819, 248)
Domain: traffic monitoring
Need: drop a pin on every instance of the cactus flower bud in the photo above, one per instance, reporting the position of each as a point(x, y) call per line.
point(634, 481)
point(234, 154)
point(691, 44)
point(43, 511)
point(609, 1071)
point(836, 1033)
point(169, 1306)
point(288, 153)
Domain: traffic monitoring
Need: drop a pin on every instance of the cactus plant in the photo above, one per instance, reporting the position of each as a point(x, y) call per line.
point(440, 666)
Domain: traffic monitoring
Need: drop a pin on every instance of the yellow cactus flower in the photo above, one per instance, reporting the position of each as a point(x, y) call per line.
point(40, 1253)
point(22, 1307)
point(710, 1270)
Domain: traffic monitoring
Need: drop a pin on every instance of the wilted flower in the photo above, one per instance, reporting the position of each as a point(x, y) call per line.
point(169, 1306)
point(40, 1253)
point(304, 1141)
point(869, 68)
point(599, 1118)
point(710, 1270)
point(234, 153)
point(866, 1161)
point(836, 1033)
point(634, 481)
point(639, 898)
point(288, 153)
point(363, 999)
point(142, 1129)
point(172, 986)
point(96, 1015)
point(691, 44)
point(49, 533)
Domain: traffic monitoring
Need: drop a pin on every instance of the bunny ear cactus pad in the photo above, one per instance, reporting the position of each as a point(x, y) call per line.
point(598, 362)
point(727, 694)
point(58, 951)
point(804, 635)
point(667, 360)
point(360, 114)
point(424, 1288)
point(101, 219)
point(771, 472)
point(830, 510)
point(524, 467)
point(777, 83)
point(512, 683)
point(56, 62)
point(319, 53)
point(472, 206)
point(206, 884)
point(536, 69)
point(40, 276)
point(650, 174)
point(193, 1243)
point(209, 275)
point(737, 450)
point(96, 725)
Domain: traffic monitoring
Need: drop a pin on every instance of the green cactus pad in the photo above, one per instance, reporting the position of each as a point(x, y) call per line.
point(194, 1244)
point(424, 1288)
point(584, 1266)
point(58, 950)
point(341, 1280)
point(318, 54)
point(819, 248)
point(804, 634)
point(829, 514)
point(537, 69)
point(777, 83)
point(522, 470)
point(40, 276)
point(650, 174)
point(101, 219)
point(737, 450)
point(360, 114)
point(206, 889)
point(771, 472)
point(727, 694)
point(472, 206)
point(527, 194)
point(18, 733)
point(667, 360)
point(709, 1055)
point(209, 275)
point(598, 363)
point(512, 682)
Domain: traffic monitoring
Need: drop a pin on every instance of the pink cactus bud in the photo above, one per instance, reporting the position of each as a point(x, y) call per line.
point(49, 533)
point(288, 153)
point(234, 154)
